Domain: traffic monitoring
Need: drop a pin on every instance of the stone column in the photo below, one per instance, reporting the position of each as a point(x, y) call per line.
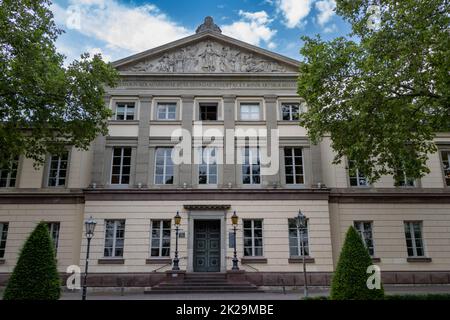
point(187, 116)
point(272, 181)
point(229, 169)
point(99, 148)
point(142, 151)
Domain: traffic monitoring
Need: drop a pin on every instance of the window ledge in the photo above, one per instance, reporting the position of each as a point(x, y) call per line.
point(130, 122)
point(300, 260)
point(418, 259)
point(157, 260)
point(250, 122)
point(111, 261)
point(251, 260)
point(168, 122)
point(2, 261)
point(211, 122)
point(375, 259)
point(296, 122)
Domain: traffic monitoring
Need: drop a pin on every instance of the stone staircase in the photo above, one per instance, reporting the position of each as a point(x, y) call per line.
point(203, 283)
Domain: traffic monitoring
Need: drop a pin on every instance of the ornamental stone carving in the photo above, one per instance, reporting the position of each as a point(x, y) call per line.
point(207, 57)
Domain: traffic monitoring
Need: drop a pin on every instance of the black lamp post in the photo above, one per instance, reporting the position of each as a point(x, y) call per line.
point(301, 226)
point(235, 220)
point(177, 219)
point(90, 227)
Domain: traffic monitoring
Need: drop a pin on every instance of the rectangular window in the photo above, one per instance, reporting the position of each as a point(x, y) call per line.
point(207, 170)
point(290, 111)
point(357, 179)
point(121, 165)
point(296, 247)
point(167, 111)
point(208, 112)
point(253, 238)
point(3, 235)
point(164, 166)
point(251, 166)
point(446, 166)
point(293, 165)
point(405, 181)
point(160, 238)
point(250, 111)
point(8, 175)
point(125, 111)
point(53, 229)
point(114, 238)
point(364, 229)
point(58, 170)
point(413, 235)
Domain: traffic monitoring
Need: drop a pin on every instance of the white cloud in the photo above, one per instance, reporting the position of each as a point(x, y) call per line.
point(330, 29)
point(294, 11)
point(94, 51)
point(326, 11)
point(253, 27)
point(119, 26)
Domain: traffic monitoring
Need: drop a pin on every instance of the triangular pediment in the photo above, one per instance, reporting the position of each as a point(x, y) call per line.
point(207, 53)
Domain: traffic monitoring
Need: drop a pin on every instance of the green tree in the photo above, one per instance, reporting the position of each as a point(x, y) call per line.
point(350, 279)
point(35, 276)
point(43, 104)
point(383, 94)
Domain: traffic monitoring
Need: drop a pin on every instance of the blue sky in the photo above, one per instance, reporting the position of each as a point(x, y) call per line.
point(119, 28)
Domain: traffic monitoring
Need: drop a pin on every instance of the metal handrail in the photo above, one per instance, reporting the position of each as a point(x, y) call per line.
point(167, 264)
point(245, 264)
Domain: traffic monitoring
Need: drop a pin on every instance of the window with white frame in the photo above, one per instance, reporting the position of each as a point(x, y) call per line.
point(164, 166)
point(293, 166)
point(290, 111)
point(58, 170)
point(8, 174)
point(296, 246)
point(446, 166)
point(209, 111)
point(125, 111)
point(414, 240)
point(364, 229)
point(251, 167)
point(53, 229)
point(3, 236)
point(357, 179)
point(250, 111)
point(121, 165)
point(253, 238)
point(166, 111)
point(114, 238)
point(207, 169)
point(405, 181)
point(160, 238)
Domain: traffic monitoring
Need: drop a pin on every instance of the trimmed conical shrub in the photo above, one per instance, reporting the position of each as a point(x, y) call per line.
point(350, 279)
point(35, 276)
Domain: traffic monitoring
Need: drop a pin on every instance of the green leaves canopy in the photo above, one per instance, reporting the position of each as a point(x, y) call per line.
point(382, 97)
point(44, 105)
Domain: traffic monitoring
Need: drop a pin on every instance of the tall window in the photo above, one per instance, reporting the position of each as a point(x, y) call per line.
point(290, 111)
point(160, 238)
point(53, 229)
point(58, 170)
point(414, 241)
point(208, 111)
point(121, 165)
point(167, 111)
point(251, 167)
point(357, 179)
point(8, 175)
point(125, 111)
point(293, 165)
point(364, 229)
point(446, 166)
point(3, 235)
point(114, 238)
point(250, 111)
point(405, 181)
point(295, 238)
point(253, 238)
point(164, 166)
point(207, 170)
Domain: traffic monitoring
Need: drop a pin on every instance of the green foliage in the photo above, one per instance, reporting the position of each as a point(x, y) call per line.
point(350, 279)
point(44, 105)
point(383, 95)
point(35, 276)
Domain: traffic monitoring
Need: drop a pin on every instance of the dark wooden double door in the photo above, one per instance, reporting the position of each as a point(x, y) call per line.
point(207, 245)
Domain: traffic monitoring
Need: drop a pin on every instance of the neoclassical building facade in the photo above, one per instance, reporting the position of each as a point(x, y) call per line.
point(207, 126)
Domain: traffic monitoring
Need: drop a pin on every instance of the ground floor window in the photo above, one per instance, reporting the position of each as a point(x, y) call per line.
point(114, 238)
point(414, 240)
point(296, 247)
point(160, 238)
point(253, 238)
point(53, 228)
point(3, 235)
point(364, 229)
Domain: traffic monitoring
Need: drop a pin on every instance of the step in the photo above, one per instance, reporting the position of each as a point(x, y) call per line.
point(188, 288)
point(157, 291)
point(174, 284)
